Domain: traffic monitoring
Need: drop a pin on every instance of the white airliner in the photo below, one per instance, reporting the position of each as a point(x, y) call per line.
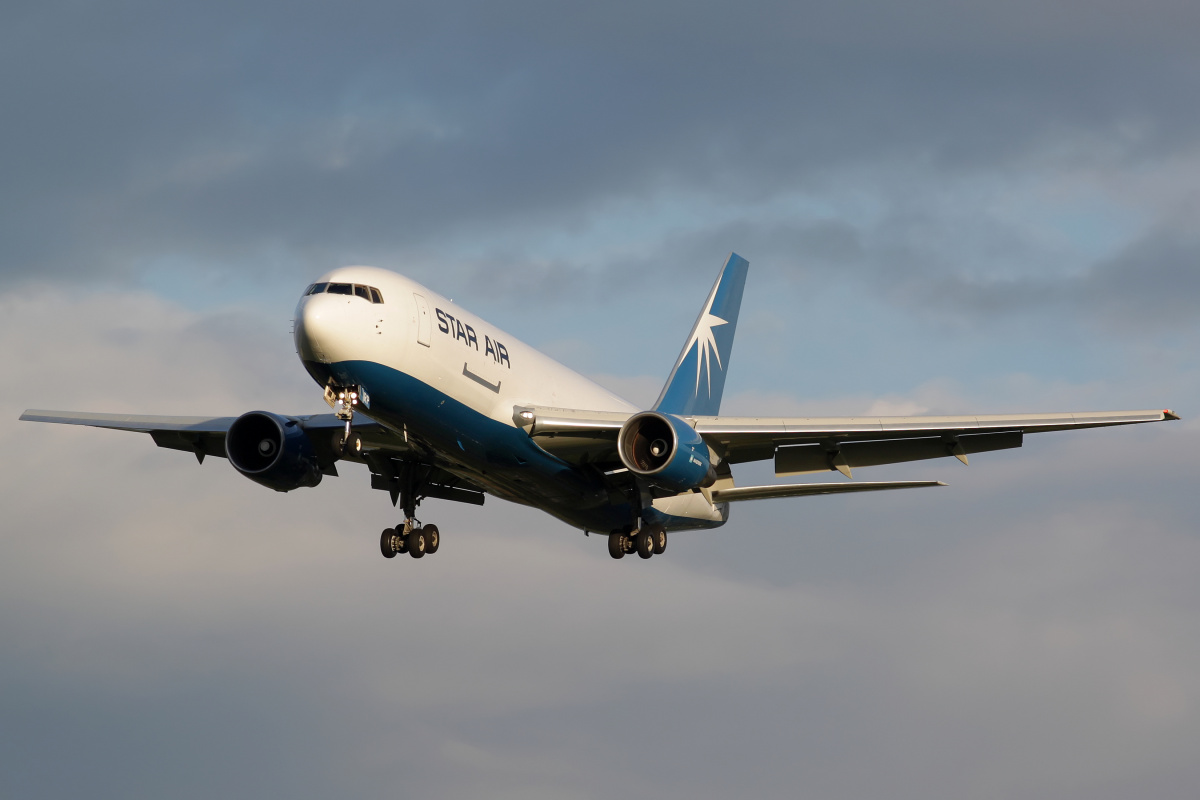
point(440, 404)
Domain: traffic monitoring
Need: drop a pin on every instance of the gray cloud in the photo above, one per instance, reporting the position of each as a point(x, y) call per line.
point(224, 131)
point(179, 629)
point(1151, 286)
point(171, 628)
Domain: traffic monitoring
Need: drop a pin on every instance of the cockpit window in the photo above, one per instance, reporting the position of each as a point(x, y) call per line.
point(368, 293)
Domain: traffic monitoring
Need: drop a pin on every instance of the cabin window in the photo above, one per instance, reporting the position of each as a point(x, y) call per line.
point(341, 288)
point(317, 288)
point(362, 292)
point(376, 297)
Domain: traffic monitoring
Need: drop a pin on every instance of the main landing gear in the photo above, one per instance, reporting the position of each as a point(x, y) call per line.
point(649, 540)
point(411, 538)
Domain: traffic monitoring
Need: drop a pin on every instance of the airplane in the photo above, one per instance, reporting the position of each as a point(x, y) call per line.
point(440, 404)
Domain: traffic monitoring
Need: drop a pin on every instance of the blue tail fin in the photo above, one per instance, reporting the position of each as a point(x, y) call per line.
point(698, 379)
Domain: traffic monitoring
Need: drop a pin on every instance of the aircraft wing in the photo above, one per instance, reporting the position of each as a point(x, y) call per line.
point(386, 453)
point(816, 444)
point(205, 436)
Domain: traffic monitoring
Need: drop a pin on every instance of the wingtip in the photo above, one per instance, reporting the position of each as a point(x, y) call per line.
point(1169, 414)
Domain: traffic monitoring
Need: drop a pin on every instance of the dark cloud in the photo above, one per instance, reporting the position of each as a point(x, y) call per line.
point(223, 130)
point(1150, 287)
point(1154, 283)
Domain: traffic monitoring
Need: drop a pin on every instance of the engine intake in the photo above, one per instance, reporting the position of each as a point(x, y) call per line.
point(666, 450)
point(272, 450)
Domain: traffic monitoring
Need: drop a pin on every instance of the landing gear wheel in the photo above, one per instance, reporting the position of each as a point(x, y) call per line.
point(660, 540)
point(387, 544)
point(616, 545)
point(630, 545)
point(417, 543)
point(432, 539)
point(644, 543)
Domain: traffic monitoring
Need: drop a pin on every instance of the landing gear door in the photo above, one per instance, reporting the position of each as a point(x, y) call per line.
point(424, 324)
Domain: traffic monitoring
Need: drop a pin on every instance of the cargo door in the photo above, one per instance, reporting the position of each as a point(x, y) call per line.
point(424, 323)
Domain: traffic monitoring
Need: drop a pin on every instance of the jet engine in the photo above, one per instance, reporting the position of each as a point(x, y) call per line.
point(665, 450)
point(272, 450)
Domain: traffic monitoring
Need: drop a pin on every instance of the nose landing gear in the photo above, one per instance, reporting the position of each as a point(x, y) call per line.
point(343, 401)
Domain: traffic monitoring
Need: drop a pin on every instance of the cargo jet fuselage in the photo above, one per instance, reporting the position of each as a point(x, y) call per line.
point(456, 385)
point(440, 404)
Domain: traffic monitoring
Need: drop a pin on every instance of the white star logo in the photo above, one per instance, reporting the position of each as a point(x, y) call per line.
point(705, 342)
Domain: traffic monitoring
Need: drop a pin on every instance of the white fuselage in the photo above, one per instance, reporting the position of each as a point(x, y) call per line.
point(451, 380)
point(334, 328)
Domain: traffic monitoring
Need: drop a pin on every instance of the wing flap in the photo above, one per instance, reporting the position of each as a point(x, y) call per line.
point(544, 421)
point(752, 439)
point(807, 458)
point(804, 489)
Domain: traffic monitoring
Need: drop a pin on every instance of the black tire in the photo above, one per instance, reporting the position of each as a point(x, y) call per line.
point(616, 545)
point(417, 543)
point(644, 543)
point(433, 538)
point(660, 541)
point(385, 543)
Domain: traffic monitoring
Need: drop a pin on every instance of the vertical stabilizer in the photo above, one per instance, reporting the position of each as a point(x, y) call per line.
point(698, 379)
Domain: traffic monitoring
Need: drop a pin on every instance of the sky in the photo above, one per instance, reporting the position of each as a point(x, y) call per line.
point(947, 207)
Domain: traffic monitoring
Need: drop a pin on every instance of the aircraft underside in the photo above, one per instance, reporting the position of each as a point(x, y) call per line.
point(439, 404)
point(498, 459)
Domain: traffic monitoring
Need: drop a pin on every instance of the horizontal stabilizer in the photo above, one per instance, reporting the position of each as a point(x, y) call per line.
point(802, 489)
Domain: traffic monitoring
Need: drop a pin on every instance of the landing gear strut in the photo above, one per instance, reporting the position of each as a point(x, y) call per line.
point(649, 540)
point(343, 402)
point(410, 536)
point(413, 538)
point(645, 539)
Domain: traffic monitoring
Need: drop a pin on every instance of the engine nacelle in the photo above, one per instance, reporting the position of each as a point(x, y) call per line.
point(272, 450)
point(666, 450)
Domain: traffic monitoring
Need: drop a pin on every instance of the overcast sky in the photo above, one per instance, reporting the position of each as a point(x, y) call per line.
point(947, 207)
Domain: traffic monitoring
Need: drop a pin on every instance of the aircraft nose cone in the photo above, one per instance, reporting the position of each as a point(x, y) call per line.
point(318, 320)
